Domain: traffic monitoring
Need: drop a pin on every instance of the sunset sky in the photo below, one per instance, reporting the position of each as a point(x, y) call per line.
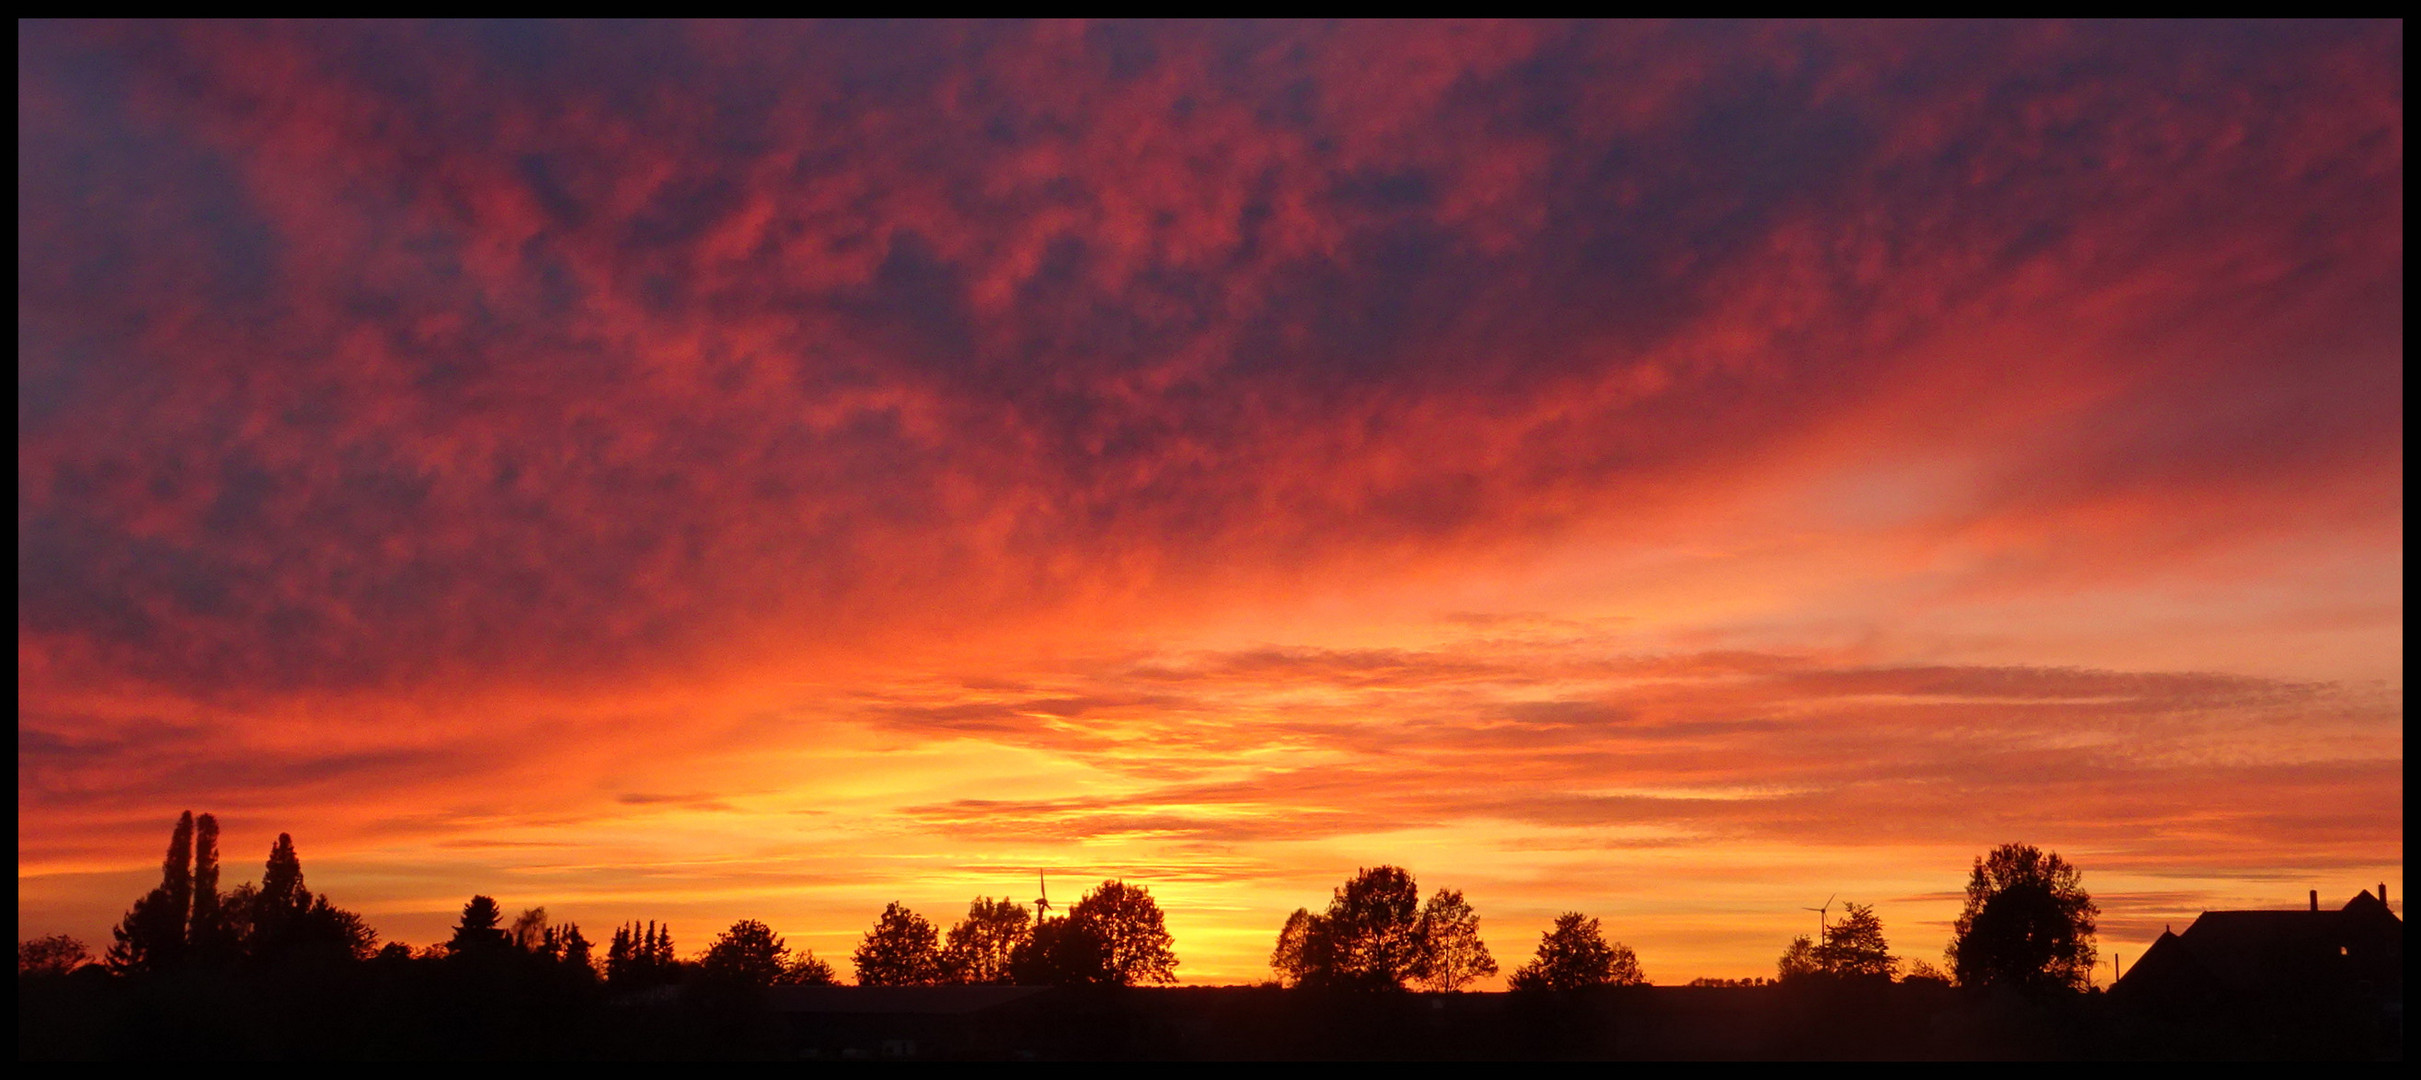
point(1676, 473)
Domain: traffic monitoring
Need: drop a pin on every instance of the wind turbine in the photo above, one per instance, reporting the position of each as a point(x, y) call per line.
point(1042, 906)
point(1820, 913)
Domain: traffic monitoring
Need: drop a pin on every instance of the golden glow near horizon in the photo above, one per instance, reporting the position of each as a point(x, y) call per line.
point(1220, 463)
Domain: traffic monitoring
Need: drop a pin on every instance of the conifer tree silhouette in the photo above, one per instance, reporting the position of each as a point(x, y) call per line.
point(575, 949)
point(477, 934)
point(282, 901)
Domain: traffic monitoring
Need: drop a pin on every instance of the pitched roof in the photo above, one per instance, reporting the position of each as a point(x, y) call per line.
point(2262, 952)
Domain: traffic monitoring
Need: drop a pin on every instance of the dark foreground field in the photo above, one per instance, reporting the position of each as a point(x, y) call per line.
point(438, 1011)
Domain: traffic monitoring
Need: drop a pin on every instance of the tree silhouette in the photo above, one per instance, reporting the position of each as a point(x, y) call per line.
point(901, 950)
point(1370, 937)
point(528, 933)
point(57, 954)
point(2027, 922)
point(1453, 955)
point(640, 956)
point(1134, 937)
point(805, 970)
point(1921, 972)
point(1854, 947)
point(571, 947)
point(176, 879)
point(1575, 956)
point(207, 936)
point(979, 947)
point(328, 932)
point(1372, 929)
point(1376, 934)
point(1298, 957)
point(1798, 961)
point(576, 947)
point(235, 915)
point(618, 953)
point(138, 943)
point(626, 962)
point(748, 954)
point(152, 935)
point(1060, 952)
point(477, 934)
point(276, 912)
point(282, 881)
point(282, 922)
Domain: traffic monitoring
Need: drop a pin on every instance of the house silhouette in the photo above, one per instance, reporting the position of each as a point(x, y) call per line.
point(2310, 969)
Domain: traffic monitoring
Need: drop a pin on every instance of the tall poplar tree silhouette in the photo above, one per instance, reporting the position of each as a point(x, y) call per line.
point(207, 938)
point(152, 935)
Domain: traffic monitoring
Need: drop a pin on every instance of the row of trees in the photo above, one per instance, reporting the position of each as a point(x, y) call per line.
point(2027, 922)
point(188, 921)
point(1377, 933)
point(637, 957)
point(1114, 936)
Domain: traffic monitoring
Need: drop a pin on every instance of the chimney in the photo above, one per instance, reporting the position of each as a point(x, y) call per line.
point(2315, 899)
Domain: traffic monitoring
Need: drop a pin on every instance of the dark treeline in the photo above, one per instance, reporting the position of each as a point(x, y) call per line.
point(275, 971)
point(2027, 923)
point(187, 921)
